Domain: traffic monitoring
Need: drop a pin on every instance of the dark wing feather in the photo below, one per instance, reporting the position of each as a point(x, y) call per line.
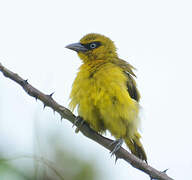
point(131, 84)
point(131, 87)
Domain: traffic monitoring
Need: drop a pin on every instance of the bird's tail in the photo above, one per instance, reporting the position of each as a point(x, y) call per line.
point(136, 147)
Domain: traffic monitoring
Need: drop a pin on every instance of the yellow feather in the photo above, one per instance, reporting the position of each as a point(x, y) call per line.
point(100, 91)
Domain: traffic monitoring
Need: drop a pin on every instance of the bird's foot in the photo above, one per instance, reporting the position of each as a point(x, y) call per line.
point(78, 122)
point(117, 145)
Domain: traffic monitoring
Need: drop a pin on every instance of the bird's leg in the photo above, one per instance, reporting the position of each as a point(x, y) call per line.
point(117, 145)
point(78, 122)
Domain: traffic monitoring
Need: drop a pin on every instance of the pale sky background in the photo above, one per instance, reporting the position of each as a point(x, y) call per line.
point(154, 36)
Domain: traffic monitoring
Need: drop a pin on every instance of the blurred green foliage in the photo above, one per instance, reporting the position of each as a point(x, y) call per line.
point(59, 164)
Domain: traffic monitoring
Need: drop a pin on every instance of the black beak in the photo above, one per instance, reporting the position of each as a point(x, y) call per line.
point(78, 47)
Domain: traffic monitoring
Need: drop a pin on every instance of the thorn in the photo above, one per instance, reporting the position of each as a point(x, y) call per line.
point(50, 95)
point(116, 158)
point(61, 118)
point(165, 170)
point(44, 106)
point(162, 172)
point(24, 82)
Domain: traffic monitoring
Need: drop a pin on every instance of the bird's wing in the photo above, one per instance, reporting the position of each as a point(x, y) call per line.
point(131, 87)
point(126, 66)
point(131, 84)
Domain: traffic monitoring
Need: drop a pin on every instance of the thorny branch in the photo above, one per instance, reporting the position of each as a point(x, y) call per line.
point(85, 129)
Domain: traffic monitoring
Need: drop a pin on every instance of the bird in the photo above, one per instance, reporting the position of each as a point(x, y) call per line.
point(105, 92)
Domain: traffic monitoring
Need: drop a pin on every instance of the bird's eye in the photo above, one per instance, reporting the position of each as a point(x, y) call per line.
point(93, 45)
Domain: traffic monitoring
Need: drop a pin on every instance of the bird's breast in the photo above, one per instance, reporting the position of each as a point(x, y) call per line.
point(99, 83)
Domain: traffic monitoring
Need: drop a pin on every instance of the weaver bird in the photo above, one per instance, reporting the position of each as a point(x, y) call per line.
point(105, 92)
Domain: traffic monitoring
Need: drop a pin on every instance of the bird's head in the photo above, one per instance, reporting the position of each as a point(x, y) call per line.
point(94, 47)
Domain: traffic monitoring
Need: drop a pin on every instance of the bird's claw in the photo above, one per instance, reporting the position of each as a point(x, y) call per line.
point(77, 119)
point(117, 146)
point(78, 122)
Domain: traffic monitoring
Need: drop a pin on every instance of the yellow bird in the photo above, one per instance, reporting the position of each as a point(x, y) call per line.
point(105, 92)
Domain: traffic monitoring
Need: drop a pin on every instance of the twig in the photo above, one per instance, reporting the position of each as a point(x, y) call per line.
point(85, 129)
